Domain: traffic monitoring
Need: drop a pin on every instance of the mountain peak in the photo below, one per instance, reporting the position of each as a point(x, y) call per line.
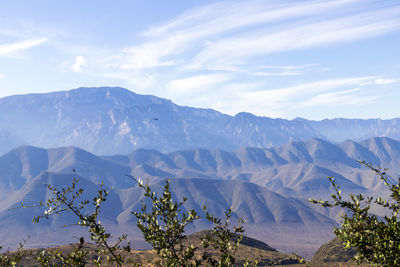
point(114, 120)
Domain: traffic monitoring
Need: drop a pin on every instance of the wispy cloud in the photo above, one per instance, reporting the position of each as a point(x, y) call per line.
point(384, 81)
point(208, 40)
point(197, 34)
point(208, 20)
point(2, 75)
point(9, 49)
point(237, 49)
point(195, 85)
point(285, 73)
point(330, 92)
point(205, 39)
point(281, 95)
point(268, 71)
point(341, 98)
point(205, 50)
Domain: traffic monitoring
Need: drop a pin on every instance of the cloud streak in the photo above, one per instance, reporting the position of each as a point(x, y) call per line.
point(237, 49)
point(198, 83)
point(341, 98)
point(204, 38)
point(9, 49)
point(330, 92)
point(227, 54)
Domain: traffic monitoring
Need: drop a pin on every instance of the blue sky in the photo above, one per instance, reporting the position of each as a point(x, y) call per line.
point(287, 59)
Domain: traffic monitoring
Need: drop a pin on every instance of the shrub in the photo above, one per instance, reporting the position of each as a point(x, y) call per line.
point(376, 239)
point(163, 227)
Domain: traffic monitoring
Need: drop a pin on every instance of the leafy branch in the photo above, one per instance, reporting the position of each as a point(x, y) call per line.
point(67, 200)
point(376, 239)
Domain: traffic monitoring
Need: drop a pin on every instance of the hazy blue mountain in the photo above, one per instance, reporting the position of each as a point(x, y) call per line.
point(16, 224)
point(267, 187)
point(112, 120)
point(264, 211)
point(21, 165)
point(357, 129)
point(296, 169)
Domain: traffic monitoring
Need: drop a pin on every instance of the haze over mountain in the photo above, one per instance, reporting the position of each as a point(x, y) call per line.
point(295, 169)
point(112, 120)
point(263, 168)
point(267, 187)
point(268, 215)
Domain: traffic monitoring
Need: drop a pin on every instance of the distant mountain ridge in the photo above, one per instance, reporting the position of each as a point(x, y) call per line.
point(297, 168)
point(267, 187)
point(267, 214)
point(113, 120)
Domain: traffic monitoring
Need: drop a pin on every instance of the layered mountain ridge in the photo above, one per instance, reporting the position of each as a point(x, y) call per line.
point(267, 187)
point(113, 120)
point(263, 168)
point(295, 169)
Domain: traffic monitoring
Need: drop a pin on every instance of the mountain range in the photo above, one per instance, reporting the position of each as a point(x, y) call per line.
point(266, 187)
point(113, 120)
point(264, 169)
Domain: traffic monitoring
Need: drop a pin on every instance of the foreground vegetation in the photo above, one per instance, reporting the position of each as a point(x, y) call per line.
point(375, 239)
point(163, 226)
point(149, 257)
point(371, 239)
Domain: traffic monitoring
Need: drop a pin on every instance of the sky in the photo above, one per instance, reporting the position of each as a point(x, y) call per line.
point(280, 59)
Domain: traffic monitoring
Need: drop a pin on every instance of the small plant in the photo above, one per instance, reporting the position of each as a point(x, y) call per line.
point(164, 226)
point(11, 259)
point(376, 239)
point(221, 240)
point(67, 200)
point(56, 258)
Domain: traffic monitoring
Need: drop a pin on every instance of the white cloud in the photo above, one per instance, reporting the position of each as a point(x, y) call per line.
point(379, 81)
point(294, 67)
point(267, 71)
point(280, 102)
point(277, 97)
point(207, 39)
point(80, 62)
point(176, 42)
point(207, 52)
point(341, 98)
point(149, 55)
point(208, 21)
point(286, 73)
point(2, 76)
point(195, 84)
point(8, 49)
point(383, 81)
point(240, 48)
point(75, 65)
point(141, 81)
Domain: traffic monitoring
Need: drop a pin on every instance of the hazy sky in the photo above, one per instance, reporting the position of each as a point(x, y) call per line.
point(311, 59)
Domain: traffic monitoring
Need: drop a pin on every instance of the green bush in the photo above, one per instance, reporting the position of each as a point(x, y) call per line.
point(163, 227)
point(377, 239)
